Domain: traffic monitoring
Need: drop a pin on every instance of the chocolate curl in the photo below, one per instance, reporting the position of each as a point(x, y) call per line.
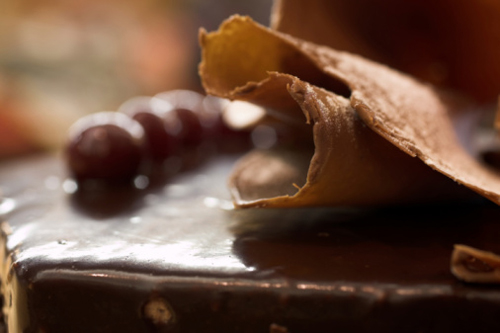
point(449, 43)
point(361, 113)
point(476, 266)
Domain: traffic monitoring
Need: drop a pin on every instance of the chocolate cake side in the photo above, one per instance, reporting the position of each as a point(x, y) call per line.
point(176, 258)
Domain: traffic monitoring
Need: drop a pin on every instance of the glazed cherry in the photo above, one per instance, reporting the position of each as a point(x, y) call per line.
point(161, 141)
point(186, 125)
point(107, 146)
point(185, 116)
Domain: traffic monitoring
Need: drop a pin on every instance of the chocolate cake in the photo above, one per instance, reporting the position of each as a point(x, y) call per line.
point(353, 232)
point(177, 258)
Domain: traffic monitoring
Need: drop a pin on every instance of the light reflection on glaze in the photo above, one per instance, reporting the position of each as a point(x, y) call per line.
point(141, 182)
point(157, 243)
point(419, 291)
point(171, 256)
point(135, 219)
point(380, 290)
point(177, 190)
point(347, 289)
point(212, 202)
point(180, 99)
point(7, 205)
point(70, 186)
point(52, 182)
point(20, 234)
point(151, 104)
point(169, 211)
point(107, 117)
point(151, 199)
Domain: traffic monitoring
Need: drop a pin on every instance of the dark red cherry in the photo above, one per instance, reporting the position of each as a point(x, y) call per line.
point(186, 125)
point(105, 145)
point(185, 117)
point(161, 142)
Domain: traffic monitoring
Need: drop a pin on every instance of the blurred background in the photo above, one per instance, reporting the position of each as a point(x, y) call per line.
point(62, 59)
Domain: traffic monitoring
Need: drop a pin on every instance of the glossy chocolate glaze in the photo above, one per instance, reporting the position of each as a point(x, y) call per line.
point(97, 260)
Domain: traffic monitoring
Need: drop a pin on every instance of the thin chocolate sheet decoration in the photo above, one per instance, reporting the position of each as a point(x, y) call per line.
point(372, 126)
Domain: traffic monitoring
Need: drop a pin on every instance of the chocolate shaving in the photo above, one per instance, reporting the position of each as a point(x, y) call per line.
point(372, 126)
point(476, 266)
point(275, 328)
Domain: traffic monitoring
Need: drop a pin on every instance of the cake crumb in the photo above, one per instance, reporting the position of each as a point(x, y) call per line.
point(275, 328)
point(158, 311)
point(475, 266)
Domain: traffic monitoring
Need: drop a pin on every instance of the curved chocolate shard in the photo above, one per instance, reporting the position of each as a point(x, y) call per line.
point(352, 165)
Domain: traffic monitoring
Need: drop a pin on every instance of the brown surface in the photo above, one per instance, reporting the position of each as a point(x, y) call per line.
point(95, 261)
